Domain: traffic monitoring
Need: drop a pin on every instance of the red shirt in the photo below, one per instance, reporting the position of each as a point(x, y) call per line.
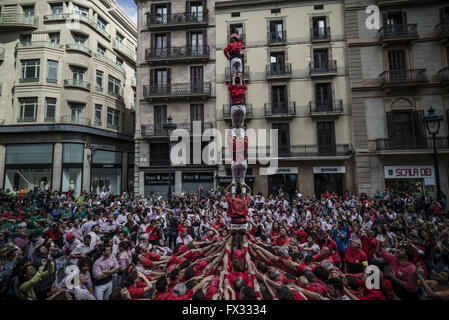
point(239, 149)
point(369, 246)
point(137, 292)
point(167, 295)
point(403, 271)
point(237, 208)
point(278, 241)
point(153, 232)
point(355, 256)
point(232, 47)
point(237, 93)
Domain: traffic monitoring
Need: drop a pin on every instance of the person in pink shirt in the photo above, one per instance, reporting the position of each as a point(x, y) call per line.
point(402, 271)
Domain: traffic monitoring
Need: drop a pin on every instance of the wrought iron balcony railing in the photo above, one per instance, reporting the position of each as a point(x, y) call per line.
point(227, 111)
point(27, 119)
point(76, 120)
point(322, 68)
point(399, 31)
point(326, 106)
point(404, 76)
point(444, 75)
point(77, 83)
point(177, 19)
point(277, 37)
point(157, 130)
point(320, 34)
point(177, 53)
point(287, 109)
point(411, 143)
point(442, 29)
point(176, 89)
point(78, 47)
point(276, 70)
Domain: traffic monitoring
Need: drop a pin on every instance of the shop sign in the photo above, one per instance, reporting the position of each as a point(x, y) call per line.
point(159, 178)
point(411, 172)
point(281, 170)
point(193, 177)
point(323, 170)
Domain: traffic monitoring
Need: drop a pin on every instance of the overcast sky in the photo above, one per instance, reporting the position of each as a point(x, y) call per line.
point(130, 8)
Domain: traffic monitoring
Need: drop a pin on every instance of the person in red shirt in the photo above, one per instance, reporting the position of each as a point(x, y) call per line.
point(138, 285)
point(369, 243)
point(232, 52)
point(283, 239)
point(354, 257)
point(237, 91)
point(154, 233)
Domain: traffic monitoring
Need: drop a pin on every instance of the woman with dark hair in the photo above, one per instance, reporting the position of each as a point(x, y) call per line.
point(138, 286)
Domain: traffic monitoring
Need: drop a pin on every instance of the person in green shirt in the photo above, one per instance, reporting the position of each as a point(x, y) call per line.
point(32, 277)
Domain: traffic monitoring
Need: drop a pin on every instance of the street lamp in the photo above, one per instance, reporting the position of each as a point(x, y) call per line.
point(169, 126)
point(433, 123)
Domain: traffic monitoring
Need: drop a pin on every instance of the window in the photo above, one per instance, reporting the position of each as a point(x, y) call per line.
point(76, 112)
point(54, 38)
point(161, 11)
point(98, 108)
point(113, 118)
point(237, 28)
point(28, 13)
point(319, 28)
point(50, 109)
point(321, 58)
point(276, 31)
point(99, 81)
point(114, 86)
point(277, 62)
point(283, 138)
point(278, 10)
point(101, 24)
point(78, 75)
point(80, 11)
point(396, 59)
point(56, 9)
point(196, 11)
point(159, 154)
point(279, 99)
point(30, 70)
point(119, 62)
point(326, 138)
point(118, 39)
point(101, 50)
point(318, 7)
point(28, 109)
point(79, 39)
point(323, 96)
point(197, 112)
point(161, 44)
point(235, 14)
point(196, 41)
point(52, 75)
point(25, 39)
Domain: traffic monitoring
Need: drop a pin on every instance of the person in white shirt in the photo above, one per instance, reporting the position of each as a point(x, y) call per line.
point(94, 235)
point(121, 218)
point(309, 248)
point(183, 238)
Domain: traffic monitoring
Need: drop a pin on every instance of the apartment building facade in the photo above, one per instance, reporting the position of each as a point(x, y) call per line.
point(397, 72)
point(67, 95)
point(297, 76)
point(176, 77)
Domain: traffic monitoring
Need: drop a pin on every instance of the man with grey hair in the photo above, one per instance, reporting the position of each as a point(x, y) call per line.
point(355, 258)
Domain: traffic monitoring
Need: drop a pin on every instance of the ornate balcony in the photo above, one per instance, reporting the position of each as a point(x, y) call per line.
point(442, 30)
point(444, 75)
point(126, 51)
point(320, 34)
point(275, 71)
point(75, 120)
point(328, 69)
point(398, 33)
point(177, 54)
point(280, 110)
point(326, 108)
point(227, 111)
point(313, 150)
point(277, 37)
point(411, 143)
point(406, 77)
point(80, 84)
point(177, 91)
point(17, 21)
point(151, 130)
point(79, 48)
point(245, 74)
point(177, 20)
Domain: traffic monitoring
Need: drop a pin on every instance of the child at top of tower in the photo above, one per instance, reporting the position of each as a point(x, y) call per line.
point(237, 90)
point(232, 52)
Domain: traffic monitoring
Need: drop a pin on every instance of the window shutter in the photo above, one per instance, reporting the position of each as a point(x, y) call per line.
point(390, 124)
point(169, 77)
point(204, 38)
point(152, 12)
point(152, 77)
point(153, 41)
point(418, 123)
point(384, 19)
point(187, 39)
point(187, 6)
point(168, 39)
point(329, 92)
point(168, 10)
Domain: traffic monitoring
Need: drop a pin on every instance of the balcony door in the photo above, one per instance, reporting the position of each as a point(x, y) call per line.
point(279, 103)
point(406, 129)
point(196, 79)
point(160, 80)
point(162, 12)
point(197, 42)
point(326, 138)
point(319, 27)
point(78, 76)
point(160, 117)
point(395, 19)
point(161, 44)
point(197, 114)
point(276, 31)
point(277, 62)
point(397, 65)
point(196, 10)
point(283, 138)
point(76, 112)
point(321, 59)
point(323, 96)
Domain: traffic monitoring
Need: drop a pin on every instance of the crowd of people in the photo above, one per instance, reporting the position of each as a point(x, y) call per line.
point(62, 246)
